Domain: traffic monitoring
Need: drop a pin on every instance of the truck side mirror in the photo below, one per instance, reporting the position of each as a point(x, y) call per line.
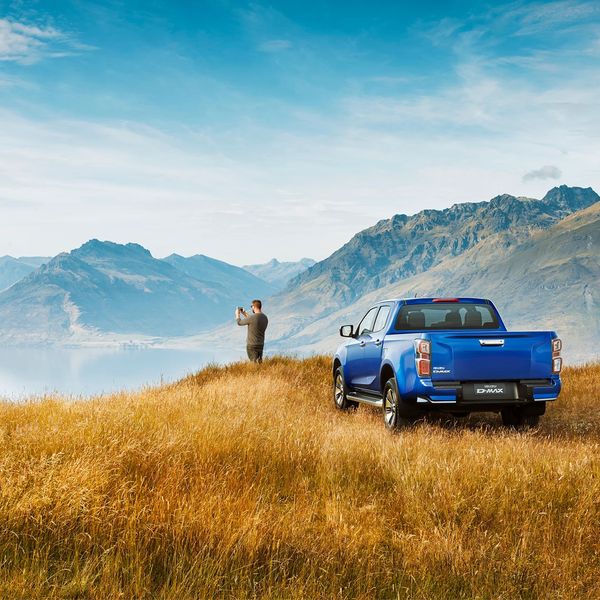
point(347, 331)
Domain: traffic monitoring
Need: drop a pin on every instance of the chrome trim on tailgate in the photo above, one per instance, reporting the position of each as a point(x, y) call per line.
point(491, 342)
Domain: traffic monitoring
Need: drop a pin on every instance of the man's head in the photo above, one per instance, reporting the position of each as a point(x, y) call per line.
point(256, 305)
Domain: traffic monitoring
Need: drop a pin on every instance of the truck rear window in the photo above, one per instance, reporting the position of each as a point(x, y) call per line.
point(446, 315)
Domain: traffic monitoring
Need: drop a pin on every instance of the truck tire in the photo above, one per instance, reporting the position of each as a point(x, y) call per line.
point(392, 408)
point(340, 392)
point(520, 418)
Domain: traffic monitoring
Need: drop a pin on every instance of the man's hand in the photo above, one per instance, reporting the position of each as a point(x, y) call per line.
point(237, 313)
point(244, 313)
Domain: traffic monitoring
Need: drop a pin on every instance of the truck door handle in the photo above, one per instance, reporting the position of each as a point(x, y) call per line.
point(378, 343)
point(362, 344)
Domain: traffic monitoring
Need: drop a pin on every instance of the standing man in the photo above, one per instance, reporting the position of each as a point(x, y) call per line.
point(257, 323)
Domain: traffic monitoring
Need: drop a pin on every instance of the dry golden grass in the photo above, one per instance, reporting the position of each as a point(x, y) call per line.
point(244, 482)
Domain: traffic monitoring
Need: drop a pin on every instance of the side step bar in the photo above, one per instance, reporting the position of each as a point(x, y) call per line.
point(365, 399)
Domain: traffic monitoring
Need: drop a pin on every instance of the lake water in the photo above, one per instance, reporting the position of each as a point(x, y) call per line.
point(25, 371)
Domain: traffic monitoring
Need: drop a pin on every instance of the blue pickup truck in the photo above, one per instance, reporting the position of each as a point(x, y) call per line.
point(422, 355)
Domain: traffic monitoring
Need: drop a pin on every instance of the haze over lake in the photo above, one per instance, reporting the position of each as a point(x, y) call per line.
point(25, 371)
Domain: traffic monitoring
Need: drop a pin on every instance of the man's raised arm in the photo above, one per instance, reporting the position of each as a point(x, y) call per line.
point(237, 316)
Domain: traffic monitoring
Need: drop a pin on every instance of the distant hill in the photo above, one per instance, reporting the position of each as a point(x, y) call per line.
point(241, 286)
point(14, 269)
point(279, 273)
point(106, 287)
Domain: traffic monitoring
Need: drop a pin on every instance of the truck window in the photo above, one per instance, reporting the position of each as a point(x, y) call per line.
point(382, 317)
point(446, 315)
point(366, 325)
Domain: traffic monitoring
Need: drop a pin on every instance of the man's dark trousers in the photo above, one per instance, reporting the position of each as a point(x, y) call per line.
point(255, 353)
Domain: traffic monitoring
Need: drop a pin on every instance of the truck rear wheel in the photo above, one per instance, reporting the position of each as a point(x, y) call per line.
point(340, 391)
point(521, 418)
point(392, 407)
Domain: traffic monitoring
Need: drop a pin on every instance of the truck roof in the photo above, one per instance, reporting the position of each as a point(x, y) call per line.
point(431, 300)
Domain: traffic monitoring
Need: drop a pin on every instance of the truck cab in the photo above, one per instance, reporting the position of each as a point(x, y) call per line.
point(422, 355)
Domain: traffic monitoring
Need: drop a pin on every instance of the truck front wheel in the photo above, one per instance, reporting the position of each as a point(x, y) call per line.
point(392, 407)
point(340, 392)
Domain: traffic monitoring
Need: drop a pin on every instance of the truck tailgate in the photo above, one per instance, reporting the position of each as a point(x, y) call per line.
point(482, 356)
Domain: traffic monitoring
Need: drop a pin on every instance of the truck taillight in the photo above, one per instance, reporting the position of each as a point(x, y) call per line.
point(423, 347)
point(423, 367)
point(556, 358)
point(423, 357)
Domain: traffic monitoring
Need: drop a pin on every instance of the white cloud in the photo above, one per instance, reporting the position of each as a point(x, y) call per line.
point(279, 193)
point(34, 32)
point(560, 21)
point(128, 182)
point(27, 44)
point(558, 105)
point(547, 172)
point(532, 18)
point(296, 190)
point(442, 31)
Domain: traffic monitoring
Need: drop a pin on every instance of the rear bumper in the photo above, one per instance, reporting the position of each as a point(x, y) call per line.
point(457, 394)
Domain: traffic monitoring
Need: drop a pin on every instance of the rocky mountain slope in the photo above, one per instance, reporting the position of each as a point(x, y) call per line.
point(430, 253)
point(14, 269)
point(279, 273)
point(106, 287)
point(403, 246)
point(552, 281)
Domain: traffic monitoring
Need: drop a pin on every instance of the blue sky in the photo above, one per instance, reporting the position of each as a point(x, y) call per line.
point(246, 131)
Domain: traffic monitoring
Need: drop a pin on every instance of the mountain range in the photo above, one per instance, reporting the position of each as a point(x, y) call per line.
point(403, 247)
point(481, 249)
point(104, 292)
point(239, 283)
point(552, 281)
point(279, 273)
point(538, 260)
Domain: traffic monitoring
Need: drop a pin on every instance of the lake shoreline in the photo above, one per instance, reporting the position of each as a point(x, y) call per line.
point(26, 371)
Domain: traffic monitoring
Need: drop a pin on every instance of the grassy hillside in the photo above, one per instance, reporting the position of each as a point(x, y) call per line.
point(244, 482)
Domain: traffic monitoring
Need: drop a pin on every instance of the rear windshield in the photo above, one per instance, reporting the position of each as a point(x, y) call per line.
point(446, 315)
